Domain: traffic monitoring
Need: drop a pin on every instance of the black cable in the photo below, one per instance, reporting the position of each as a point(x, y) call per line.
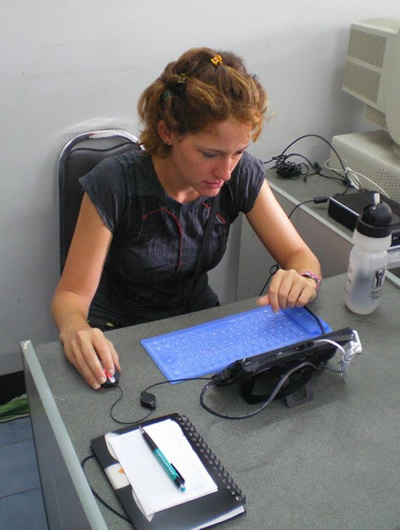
point(315, 200)
point(318, 171)
point(340, 178)
point(300, 156)
point(321, 327)
point(177, 381)
point(282, 381)
point(149, 400)
point(312, 135)
point(131, 422)
point(271, 273)
point(274, 268)
point(305, 307)
point(103, 502)
point(290, 169)
point(345, 179)
point(181, 380)
point(298, 205)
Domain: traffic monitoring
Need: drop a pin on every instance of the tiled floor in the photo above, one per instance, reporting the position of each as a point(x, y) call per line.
point(21, 503)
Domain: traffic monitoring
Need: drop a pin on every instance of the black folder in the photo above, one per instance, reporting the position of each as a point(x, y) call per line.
point(227, 502)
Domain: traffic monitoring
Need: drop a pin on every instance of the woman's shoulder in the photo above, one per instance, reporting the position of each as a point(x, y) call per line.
point(130, 162)
point(241, 191)
point(137, 167)
point(250, 171)
point(251, 162)
point(127, 170)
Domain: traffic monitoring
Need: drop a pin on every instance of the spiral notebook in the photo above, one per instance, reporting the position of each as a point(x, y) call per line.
point(219, 501)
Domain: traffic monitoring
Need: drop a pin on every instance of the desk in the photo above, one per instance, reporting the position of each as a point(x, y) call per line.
point(330, 463)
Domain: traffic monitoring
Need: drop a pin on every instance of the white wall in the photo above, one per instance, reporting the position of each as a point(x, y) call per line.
point(73, 65)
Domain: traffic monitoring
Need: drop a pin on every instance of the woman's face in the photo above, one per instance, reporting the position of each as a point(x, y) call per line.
point(204, 161)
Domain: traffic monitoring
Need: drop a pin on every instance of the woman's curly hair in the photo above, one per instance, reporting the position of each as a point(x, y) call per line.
point(194, 92)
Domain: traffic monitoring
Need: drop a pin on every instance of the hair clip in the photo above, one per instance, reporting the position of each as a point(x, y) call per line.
point(165, 95)
point(216, 60)
point(182, 78)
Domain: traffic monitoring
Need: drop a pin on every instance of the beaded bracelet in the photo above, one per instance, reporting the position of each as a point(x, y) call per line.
point(313, 276)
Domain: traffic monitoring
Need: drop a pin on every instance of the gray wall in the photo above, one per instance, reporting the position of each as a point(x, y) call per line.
point(75, 65)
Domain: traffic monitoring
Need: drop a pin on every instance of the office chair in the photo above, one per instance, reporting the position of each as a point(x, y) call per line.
point(77, 158)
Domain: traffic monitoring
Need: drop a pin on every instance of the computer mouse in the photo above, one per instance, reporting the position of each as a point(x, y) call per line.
point(111, 380)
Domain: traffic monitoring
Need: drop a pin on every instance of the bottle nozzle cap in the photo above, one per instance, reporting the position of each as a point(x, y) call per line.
point(376, 218)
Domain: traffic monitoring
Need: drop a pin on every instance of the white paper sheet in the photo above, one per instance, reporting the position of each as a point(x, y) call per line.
point(153, 488)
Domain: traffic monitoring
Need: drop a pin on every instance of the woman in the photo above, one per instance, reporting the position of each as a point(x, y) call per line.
point(138, 237)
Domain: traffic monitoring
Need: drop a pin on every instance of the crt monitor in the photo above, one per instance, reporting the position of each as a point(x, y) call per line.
point(372, 72)
point(372, 75)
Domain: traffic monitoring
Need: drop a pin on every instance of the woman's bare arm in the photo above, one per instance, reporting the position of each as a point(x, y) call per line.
point(85, 347)
point(288, 288)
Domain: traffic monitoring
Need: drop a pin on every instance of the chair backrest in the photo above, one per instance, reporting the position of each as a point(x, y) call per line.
point(77, 158)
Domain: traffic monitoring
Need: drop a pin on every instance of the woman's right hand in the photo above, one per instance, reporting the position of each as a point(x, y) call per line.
point(92, 354)
point(85, 347)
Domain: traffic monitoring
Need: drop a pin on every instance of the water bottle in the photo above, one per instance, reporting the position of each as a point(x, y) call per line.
point(368, 257)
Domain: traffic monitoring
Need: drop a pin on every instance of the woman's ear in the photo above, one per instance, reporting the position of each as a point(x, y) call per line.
point(165, 133)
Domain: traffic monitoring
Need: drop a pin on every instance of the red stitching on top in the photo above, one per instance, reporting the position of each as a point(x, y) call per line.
point(178, 224)
point(217, 215)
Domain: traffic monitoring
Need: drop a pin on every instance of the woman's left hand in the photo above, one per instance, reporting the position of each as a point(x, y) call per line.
point(289, 289)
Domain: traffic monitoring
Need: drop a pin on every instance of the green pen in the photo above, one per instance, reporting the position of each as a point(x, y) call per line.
point(169, 468)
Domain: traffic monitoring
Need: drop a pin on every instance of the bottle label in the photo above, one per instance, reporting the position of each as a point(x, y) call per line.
point(377, 283)
point(378, 279)
point(363, 291)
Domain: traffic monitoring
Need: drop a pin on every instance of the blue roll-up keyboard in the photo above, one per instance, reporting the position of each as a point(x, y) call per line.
point(210, 347)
